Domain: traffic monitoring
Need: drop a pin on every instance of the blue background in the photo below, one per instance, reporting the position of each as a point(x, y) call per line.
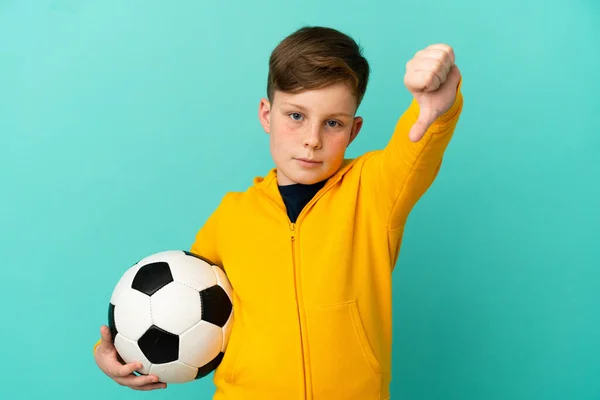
point(122, 124)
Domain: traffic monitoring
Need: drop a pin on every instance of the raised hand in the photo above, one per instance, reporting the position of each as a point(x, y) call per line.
point(432, 78)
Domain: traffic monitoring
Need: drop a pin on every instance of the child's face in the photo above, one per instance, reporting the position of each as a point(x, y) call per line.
point(310, 131)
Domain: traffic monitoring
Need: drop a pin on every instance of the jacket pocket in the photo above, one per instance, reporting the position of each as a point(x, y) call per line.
point(263, 361)
point(343, 365)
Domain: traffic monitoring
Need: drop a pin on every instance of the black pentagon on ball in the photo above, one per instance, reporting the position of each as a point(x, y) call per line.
point(216, 305)
point(111, 321)
point(151, 277)
point(210, 367)
point(159, 346)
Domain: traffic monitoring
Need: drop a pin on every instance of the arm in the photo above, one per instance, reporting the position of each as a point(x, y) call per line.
point(400, 174)
point(415, 165)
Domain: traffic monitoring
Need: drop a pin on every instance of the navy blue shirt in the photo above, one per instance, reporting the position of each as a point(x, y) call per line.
point(297, 195)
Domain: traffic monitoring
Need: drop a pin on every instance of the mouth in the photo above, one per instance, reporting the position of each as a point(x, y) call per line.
point(308, 160)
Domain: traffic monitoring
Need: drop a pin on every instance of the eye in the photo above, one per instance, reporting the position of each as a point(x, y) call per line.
point(295, 116)
point(333, 124)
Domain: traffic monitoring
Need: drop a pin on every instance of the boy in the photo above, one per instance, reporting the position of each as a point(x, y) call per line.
point(309, 249)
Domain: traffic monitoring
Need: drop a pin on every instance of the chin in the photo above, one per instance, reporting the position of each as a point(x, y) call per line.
point(309, 179)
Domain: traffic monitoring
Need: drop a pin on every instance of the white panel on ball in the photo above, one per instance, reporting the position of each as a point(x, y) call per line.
point(193, 272)
point(174, 372)
point(223, 281)
point(226, 285)
point(124, 283)
point(200, 344)
point(176, 308)
point(226, 332)
point(132, 314)
point(130, 352)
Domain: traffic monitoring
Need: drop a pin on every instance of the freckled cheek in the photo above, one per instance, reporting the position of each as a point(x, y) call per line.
point(286, 135)
point(336, 146)
point(283, 140)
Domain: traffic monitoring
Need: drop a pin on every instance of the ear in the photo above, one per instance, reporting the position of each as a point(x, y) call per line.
point(356, 125)
point(264, 114)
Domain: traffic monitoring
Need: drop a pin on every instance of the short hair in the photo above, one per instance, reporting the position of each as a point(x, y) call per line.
point(316, 57)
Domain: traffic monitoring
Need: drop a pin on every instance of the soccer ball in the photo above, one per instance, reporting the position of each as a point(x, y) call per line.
point(172, 312)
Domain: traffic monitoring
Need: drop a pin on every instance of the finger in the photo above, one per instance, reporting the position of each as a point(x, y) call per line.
point(454, 76)
point(419, 81)
point(447, 50)
point(420, 127)
point(153, 386)
point(128, 369)
point(438, 51)
point(417, 131)
point(138, 382)
point(106, 344)
point(105, 335)
point(435, 65)
point(434, 59)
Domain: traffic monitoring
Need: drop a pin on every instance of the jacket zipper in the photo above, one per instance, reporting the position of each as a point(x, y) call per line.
point(292, 225)
point(298, 312)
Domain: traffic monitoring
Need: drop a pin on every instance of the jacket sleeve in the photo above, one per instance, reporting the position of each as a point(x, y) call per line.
point(396, 177)
point(206, 243)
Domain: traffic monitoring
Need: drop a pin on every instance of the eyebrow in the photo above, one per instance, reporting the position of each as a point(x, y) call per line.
point(301, 108)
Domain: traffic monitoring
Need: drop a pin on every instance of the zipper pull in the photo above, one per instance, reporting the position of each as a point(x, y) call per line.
point(293, 232)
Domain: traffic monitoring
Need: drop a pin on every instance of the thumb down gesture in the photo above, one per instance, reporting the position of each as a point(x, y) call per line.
point(432, 78)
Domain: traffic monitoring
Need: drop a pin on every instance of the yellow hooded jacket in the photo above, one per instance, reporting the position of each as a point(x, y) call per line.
point(312, 304)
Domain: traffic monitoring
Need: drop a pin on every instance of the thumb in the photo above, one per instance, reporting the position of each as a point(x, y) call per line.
point(106, 338)
point(418, 130)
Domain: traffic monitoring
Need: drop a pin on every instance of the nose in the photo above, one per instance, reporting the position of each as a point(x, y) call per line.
point(313, 138)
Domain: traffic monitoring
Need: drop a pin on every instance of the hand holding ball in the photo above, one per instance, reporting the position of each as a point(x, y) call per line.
point(172, 312)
